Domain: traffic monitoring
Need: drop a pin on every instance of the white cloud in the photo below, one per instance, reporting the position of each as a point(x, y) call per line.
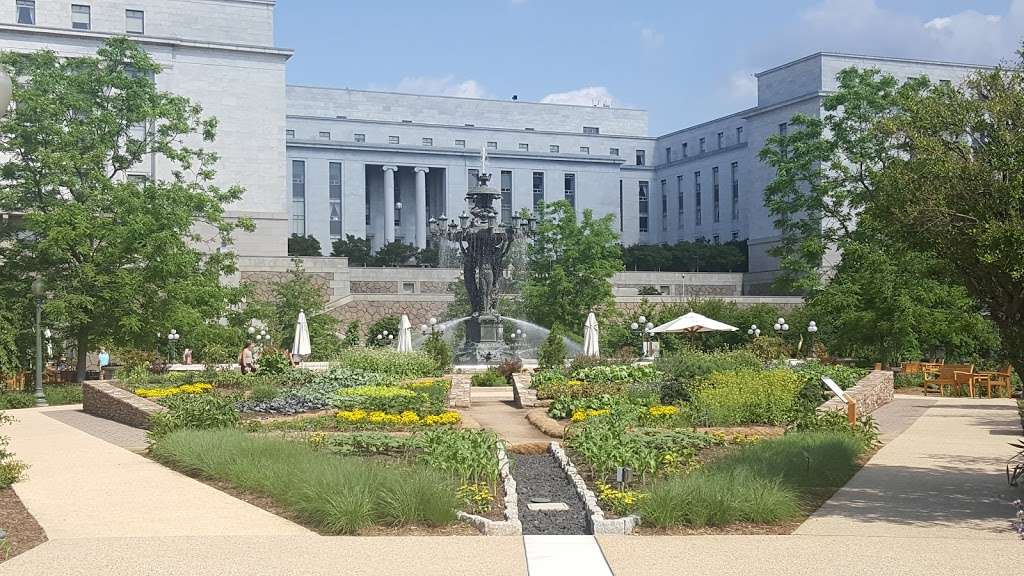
point(743, 87)
point(651, 38)
point(862, 26)
point(589, 96)
point(440, 86)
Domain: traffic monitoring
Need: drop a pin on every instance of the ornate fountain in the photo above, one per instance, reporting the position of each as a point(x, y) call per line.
point(484, 243)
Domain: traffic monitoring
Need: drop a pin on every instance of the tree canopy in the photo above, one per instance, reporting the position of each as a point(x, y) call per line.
point(570, 263)
point(122, 256)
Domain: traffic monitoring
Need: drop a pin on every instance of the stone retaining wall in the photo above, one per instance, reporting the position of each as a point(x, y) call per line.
point(105, 400)
point(459, 393)
point(524, 395)
point(871, 392)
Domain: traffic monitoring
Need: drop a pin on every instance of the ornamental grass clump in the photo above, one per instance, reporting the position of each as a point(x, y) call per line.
point(337, 495)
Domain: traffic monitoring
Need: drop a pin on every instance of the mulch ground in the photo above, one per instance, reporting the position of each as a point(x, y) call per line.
point(23, 532)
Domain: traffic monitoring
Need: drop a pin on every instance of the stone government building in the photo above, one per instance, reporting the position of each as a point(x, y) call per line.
point(330, 162)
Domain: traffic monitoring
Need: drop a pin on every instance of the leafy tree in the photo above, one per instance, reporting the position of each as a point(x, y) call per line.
point(439, 350)
point(357, 250)
point(121, 258)
point(696, 256)
point(395, 253)
point(351, 334)
point(303, 246)
point(294, 293)
point(551, 353)
point(570, 263)
point(953, 187)
point(827, 170)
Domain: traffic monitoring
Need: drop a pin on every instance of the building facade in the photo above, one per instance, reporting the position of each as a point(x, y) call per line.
point(332, 162)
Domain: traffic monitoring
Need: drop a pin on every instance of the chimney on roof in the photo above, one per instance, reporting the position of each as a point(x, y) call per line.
point(515, 98)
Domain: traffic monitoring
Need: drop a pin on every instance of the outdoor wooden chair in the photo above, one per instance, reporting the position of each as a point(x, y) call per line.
point(947, 376)
point(911, 368)
point(971, 381)
point(1000, 379)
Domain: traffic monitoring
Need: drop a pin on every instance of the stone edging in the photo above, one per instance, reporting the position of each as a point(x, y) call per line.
point(511, 525)
point(107, 401)
point(546, 424)
point(595, 516)
point(524, 395)
point(460, 390)
point(871, 393)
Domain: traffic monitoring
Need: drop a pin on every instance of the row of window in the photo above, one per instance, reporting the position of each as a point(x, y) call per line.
point(644, 198)
point(491, 145)
point(702, 145)
point(81, 17)
point(299, 198)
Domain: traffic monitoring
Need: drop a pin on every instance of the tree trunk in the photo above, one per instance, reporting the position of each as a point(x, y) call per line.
point(81, 353)
point(1012, 336)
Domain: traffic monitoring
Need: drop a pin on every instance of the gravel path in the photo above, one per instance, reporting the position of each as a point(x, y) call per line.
point(538, 475)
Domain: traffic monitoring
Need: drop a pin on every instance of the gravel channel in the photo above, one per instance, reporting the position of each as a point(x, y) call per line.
point(539, 476)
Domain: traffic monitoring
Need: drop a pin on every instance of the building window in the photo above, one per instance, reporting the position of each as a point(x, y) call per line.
point(394, 140)
point(735, 236)
point(696, 198)
point(298, 197)
point(26, 11)
point(553, 148)
point(735, 171)
point(715, 200)
point(81, 17)
point(591, 130)
point(644, 196)
point(325, 135)
point(524, 146)
point(620, 206)
point(739, 134)
point(428, 141)
point(359, 137)
point(473, 176)
point(366, 203)
point(335, 199)
point(289, 134)
point(538, 189)
point(613, 151)
point(135, 21)
point(783, 128)
point(686, 151)
point(408, 287)
point(398, 201)
point(492, 145)
point(641, 157)
point(506, 196)
point(721, 140)
point(680, 197)
point(715, 239)
point(664, 205)
point(584, 149)
point(460, 143)
point(570, 189)
point(703, 145)
point(668, 154)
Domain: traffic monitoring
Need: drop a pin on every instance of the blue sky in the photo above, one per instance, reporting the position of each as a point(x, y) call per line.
point(685, 62)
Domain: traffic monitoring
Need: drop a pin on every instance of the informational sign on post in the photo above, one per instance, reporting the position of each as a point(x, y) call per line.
point(835, 389)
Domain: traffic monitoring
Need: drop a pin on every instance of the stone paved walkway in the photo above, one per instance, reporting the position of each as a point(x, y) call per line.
point(116, 433)
point(493, 408)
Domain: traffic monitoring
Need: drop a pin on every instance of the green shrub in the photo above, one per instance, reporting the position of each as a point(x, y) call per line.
point(11, 470)
point(546, 382)
point(489, 378)
point(336, 495)
point(391, 399)
point(551, 353)
point(63, 395)
point(273, 362)
point(466, 456)
point(746, 397)
point(685, 367)
point(814, 391)
point(400, 365)
point(439, 351)
point(908, 380)
point(768, 348)
point(865, 431)
point(194, 411)
point(619, 374)
point(389, 324)
point(16, 400)
point(263, 391)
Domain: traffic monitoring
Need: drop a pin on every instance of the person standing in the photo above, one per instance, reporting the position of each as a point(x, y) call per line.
point(104, 360)
point(245, 359)
point(186, 357)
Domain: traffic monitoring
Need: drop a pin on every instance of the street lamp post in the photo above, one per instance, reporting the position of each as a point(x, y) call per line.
point(754, 331)
point(644, 329)
point(39, 291)
point(781, 327)
point(172, 341)
point(812, 329)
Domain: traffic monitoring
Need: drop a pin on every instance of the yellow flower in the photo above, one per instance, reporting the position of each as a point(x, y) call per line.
point(352, 415)
point(197, 388)
point(581, 415)
point(657, 411)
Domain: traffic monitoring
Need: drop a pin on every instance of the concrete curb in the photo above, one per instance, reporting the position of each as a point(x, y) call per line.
point(598, 523)
point(511, 525)
point(546, 424)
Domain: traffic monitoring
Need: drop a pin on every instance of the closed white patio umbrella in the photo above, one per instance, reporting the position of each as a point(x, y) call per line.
point(591, 337)
point(404, 334)
point(300, 345)
point(693, 323)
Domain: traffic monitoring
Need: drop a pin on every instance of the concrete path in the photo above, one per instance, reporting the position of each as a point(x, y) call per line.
point(494, 409)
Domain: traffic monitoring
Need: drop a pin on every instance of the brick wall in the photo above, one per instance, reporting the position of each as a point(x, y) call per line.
point(108, 401)
point(872, 392)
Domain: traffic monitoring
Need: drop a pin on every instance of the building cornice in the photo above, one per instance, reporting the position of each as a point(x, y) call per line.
point(794, 100)
point(823, 55)
point(147, 40)
point(740, 114)
point(446, 151)
point(464, 127)
point(702, 156)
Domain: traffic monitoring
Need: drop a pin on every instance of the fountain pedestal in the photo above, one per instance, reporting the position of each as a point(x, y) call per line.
point(484, 340)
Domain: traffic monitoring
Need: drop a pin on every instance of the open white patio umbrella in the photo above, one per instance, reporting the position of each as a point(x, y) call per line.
point(404, 334)
point(300, 345)
point(591, 346)
point(693, 323)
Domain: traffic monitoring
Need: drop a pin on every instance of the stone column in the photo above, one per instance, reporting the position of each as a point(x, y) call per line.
point(389, 203)
point(421, 206)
